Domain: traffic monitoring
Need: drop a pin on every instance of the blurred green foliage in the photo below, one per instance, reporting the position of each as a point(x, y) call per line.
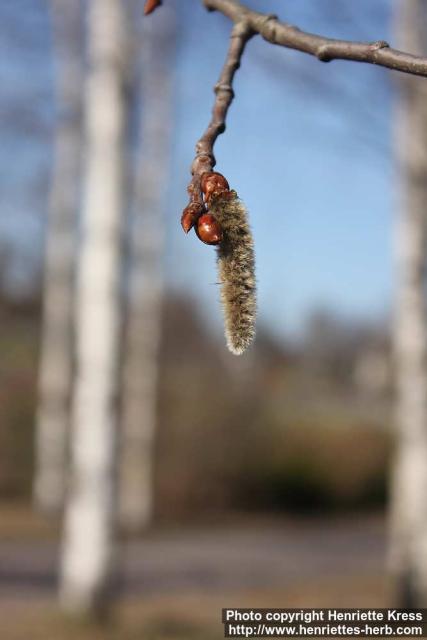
point(273, 431)
point(281, 430)
point(316, 466)
point(19, 324)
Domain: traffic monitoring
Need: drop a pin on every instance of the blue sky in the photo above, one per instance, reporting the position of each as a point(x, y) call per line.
point(307, 147)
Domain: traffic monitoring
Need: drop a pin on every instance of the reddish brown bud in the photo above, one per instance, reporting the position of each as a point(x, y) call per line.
point(190, 215)
point(208, 229)
point(213, 184)
point(150, 6)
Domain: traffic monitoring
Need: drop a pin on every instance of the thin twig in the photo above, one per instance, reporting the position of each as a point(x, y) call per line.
point(325, 49)
point(205, 159)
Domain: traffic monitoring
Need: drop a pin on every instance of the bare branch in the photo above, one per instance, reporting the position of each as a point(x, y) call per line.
point(325, 49)
point(249, 23)
point(205, 159)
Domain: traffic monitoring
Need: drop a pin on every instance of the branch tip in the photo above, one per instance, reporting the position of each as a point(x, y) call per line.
point(151, 5)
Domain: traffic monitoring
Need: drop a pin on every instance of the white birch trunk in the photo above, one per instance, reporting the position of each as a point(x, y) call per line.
point(88, 554)
point(56, 348)
point(146, 279)
point(409, 482)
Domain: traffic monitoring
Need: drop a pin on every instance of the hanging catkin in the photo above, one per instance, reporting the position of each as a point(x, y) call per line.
point(236, 268)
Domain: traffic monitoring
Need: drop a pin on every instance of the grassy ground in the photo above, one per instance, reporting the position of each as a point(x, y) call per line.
point(18, 522)
point(187, 612)
point(188, 616)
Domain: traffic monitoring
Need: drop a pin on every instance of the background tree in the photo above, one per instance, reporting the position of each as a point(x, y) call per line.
point(409, 490)
point(89, 538)
point(56, 348)
point(156, 45)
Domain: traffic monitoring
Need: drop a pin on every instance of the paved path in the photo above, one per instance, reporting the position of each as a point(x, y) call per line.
point(247, 555)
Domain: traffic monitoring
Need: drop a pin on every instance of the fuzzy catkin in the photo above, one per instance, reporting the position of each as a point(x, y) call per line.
point(236, 268)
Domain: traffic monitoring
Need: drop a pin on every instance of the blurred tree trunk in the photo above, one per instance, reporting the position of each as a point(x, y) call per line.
point(89, 536)
point(56, 349)
point(146, 279)
point(409, 485)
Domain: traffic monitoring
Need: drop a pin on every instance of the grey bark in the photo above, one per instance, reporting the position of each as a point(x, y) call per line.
point(409, 481)
point(146, 279)
point(88, 552)
point(56, 347)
